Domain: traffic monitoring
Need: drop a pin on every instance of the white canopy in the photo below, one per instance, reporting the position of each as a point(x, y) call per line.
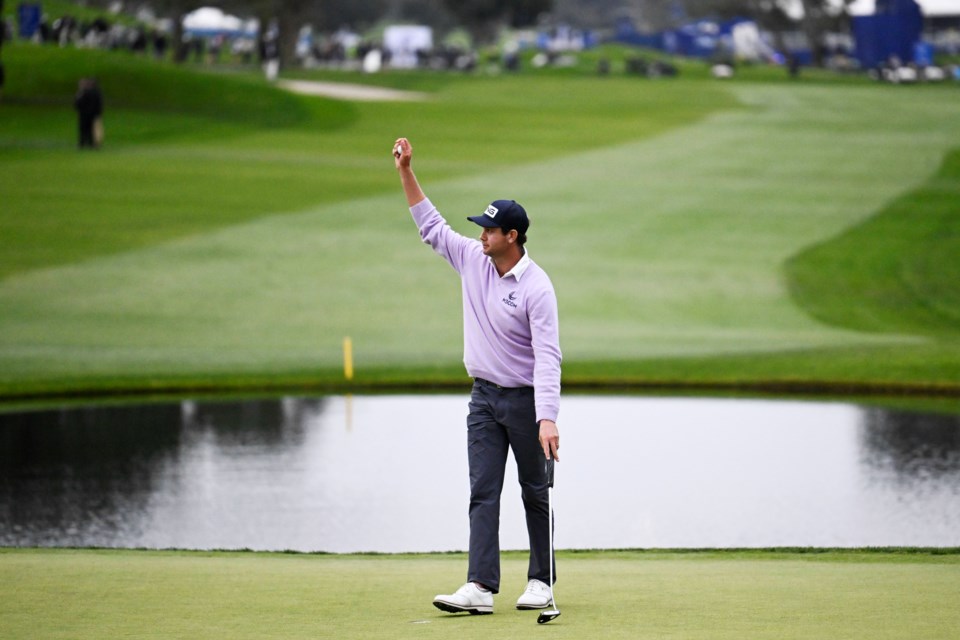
point(211, 19)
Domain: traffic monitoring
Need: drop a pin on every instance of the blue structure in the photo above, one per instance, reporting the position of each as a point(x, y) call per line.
point(699, 39)
point(626, 32)
point(28, 16)
point(894, 30)
point(696, 39)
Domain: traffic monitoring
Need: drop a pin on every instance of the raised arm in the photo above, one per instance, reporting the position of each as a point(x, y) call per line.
point(402, 157)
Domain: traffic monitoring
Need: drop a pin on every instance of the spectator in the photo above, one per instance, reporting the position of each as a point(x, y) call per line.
point(89, 105)
point(270, 55)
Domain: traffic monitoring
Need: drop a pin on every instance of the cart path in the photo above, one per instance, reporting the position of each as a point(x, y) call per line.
point(345, 91)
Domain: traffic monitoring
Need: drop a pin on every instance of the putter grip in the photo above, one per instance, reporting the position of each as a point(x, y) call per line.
point(548, 467)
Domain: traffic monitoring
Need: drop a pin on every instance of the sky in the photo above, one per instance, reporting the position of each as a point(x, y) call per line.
point(929, 7)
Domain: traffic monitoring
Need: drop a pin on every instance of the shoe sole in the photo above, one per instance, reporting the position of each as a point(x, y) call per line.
point(453, 608)
point(532, 607)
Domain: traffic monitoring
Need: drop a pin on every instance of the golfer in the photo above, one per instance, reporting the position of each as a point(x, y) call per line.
point(512, 351)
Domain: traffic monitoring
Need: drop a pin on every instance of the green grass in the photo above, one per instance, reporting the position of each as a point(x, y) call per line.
point(191, 151)
point(203, 249)
point(896, 272)
point(50, 594)
point(47, 76)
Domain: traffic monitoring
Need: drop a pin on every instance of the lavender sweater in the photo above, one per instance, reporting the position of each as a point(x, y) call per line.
point(510, 329)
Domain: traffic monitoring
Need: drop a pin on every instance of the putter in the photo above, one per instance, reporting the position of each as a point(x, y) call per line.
point(550, 614)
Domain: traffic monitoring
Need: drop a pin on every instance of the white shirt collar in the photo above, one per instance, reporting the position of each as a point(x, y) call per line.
point(520, 267)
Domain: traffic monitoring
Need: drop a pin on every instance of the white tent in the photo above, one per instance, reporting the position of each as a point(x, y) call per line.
point(404, 41)
point(210, 20)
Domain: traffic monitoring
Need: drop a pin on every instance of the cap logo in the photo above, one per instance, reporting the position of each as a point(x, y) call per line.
point(492, 211)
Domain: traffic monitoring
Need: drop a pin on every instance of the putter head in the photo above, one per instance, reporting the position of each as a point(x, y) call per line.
point(547, 616)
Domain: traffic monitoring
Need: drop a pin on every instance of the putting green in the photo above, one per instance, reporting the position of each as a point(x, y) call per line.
point(47, 594)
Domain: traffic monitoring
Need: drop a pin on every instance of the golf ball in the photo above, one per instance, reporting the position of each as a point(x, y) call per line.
point(397, 151)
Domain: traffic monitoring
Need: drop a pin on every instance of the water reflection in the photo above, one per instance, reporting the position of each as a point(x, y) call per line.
point(388, 473)
point(251, 423)
point(67, 476)
point(908, 446)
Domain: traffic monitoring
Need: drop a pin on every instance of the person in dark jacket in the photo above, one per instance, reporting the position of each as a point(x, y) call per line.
point(89, 105)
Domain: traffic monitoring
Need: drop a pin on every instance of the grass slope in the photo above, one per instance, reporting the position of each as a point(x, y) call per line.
point(895, 273)
point(139, 89)
point(665, 213)
point(60, 208)
point(96, 594)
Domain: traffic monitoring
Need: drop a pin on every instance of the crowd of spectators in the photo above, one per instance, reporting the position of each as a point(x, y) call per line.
point(67, 30)
point(894, 71)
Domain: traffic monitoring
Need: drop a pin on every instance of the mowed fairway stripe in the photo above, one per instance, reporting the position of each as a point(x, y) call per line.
point(669, 246)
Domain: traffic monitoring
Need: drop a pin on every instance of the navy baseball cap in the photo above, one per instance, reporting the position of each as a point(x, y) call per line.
point(506, 214)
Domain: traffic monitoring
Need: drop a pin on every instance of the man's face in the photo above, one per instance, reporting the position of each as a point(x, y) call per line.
point(495, 241)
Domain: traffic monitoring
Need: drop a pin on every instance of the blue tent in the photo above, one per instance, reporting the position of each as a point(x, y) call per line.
point(893, 30)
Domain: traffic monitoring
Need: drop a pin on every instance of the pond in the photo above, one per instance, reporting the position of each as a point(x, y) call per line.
point(388, 474)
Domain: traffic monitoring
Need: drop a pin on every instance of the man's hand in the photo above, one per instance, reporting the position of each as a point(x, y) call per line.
point(550, 439)
point(402, 153)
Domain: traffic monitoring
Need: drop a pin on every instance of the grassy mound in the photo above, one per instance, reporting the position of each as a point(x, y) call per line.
point(145, 100)
point(898, 272)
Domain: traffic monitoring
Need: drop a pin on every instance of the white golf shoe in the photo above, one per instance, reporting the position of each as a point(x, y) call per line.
point(468, 599)
point(537, 596)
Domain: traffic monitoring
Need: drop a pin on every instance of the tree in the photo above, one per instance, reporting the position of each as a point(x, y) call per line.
point(329, 15)
point(484, 18)
point(287, 15)
point(176, 9)
point(646, 15)
point(433, 13)
point(820, 17)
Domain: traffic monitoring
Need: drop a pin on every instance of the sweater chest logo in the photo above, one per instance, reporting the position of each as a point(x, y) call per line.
point(511, 299)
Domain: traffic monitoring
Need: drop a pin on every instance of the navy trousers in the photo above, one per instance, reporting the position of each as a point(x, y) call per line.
point(501, 419)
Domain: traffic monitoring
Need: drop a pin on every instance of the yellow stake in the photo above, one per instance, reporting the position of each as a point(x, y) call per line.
point(348, 358)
